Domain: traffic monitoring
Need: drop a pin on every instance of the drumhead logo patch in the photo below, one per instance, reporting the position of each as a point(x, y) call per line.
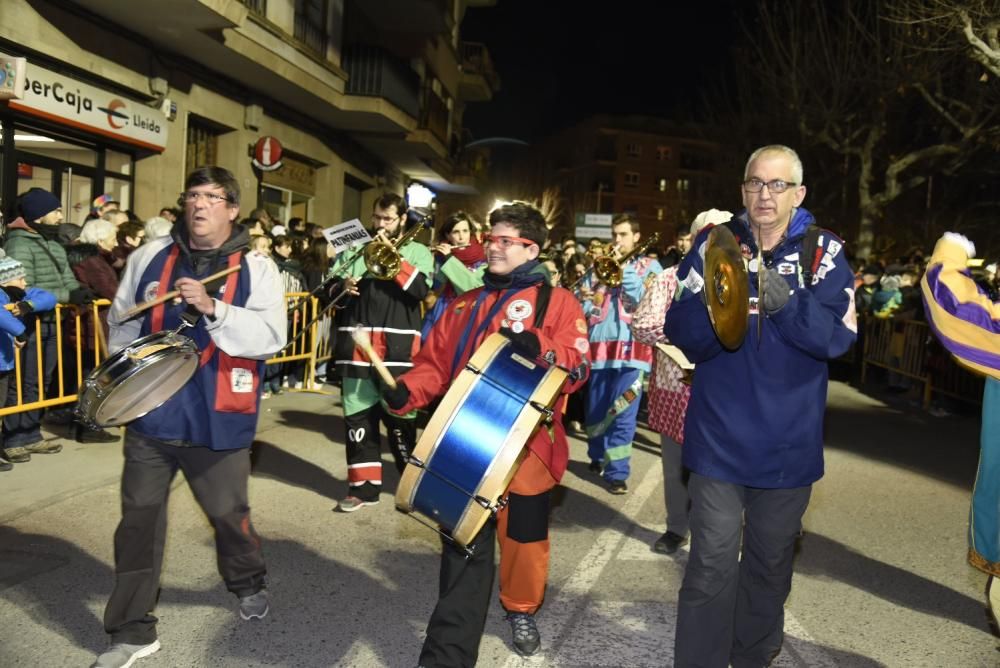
point(241, 381)
point(519, 309)
point(149, 294)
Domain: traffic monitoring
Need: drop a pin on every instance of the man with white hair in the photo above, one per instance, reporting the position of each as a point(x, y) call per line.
point(753, 436)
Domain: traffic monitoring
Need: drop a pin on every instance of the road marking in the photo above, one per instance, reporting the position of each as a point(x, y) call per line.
point(574, 614)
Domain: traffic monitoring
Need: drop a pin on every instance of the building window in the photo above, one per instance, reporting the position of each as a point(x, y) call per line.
point(258, 7)
point(310, 24)
point(660, 212)
point(633, 149)
point(663, 153)
point(202, 144)
point(662, 185)
point(632, 179)
point(683, 185)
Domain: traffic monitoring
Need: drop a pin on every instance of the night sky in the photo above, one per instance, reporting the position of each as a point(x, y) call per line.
point(560, 62)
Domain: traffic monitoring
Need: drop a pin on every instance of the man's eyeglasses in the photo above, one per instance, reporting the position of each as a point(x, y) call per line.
point(190, 197)
point(382, 219)
point(777, 186)
point(506, 242)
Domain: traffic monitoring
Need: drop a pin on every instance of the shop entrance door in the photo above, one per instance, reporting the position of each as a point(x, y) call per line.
point(66, 170)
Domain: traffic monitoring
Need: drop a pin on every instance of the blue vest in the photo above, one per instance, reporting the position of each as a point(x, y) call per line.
point(202, 413)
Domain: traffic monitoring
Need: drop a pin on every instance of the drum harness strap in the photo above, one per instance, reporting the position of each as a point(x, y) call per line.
point(166, 280)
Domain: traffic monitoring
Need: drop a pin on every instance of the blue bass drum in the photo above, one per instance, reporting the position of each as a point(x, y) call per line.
point(473, 444)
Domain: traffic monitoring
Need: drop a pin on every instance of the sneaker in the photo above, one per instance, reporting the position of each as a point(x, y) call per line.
point(123, 655)
point(527, 640)
point(254, 606)
point(18, 454)
point(265, 395)
point(669, 543)
point(351, 503)
point(95, 436)
point(575, 427)
point(594, 467)
point(44, 448)
point(617, 487)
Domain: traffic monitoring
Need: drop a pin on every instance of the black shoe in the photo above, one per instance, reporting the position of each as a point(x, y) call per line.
point(594, 467)
point(527, 640)
point(669, 543)
point(59, 416)
point(84, 435)
point(617, 487)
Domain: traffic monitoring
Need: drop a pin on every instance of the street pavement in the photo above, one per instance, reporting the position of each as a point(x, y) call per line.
point(880, 577)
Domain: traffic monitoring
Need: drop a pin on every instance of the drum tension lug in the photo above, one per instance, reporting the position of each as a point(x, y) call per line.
point(416, 462)
point(544, 410)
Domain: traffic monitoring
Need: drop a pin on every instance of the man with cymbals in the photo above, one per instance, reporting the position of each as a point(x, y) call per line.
point(517, 301)
point(753, 435)
point(207, 427)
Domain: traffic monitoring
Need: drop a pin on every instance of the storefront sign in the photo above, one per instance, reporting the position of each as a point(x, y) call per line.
point(294, 175)
point(67, 101)
point(593, 226)
point(347, 234)
point(267, 154)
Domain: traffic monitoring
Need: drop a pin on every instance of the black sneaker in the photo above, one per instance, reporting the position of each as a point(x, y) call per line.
point(95, 436)
point(669, 543)
point(527, 640)
point(617, 487)
point(594, 467)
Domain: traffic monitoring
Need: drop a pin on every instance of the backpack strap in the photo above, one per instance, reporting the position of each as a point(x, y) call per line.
point(542, 303)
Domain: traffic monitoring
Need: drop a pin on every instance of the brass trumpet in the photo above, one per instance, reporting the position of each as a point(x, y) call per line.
point(382, 259)
point(608, 268)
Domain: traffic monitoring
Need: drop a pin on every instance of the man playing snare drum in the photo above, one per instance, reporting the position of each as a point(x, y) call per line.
point(206, 428)
point(515, 291)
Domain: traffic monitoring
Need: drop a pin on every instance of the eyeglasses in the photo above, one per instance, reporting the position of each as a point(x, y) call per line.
point(382, 219)
point(191, 196)
point(506, 242)
point(777, 186)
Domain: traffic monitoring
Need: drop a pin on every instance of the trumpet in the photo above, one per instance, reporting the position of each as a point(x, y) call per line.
point(608, 268)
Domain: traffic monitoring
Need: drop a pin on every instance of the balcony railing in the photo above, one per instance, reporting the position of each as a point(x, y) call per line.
point(434, 116)
point(310, 27)
point(374, 72)
point(476, 60)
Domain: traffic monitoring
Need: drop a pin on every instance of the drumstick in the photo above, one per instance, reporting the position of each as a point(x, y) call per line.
point(362, 341)
point(139, 308)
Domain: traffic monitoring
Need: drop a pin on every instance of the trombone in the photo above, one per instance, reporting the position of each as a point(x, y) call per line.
point(609, 269)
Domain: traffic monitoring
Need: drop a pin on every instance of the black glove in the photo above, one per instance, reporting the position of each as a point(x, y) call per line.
point(527, 341)
point(396, 398)
point(776, 291)
point(22, 338)
point(81, 296)
point(24, 307)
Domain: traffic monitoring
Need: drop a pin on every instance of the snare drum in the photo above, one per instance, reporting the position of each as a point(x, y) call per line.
point(474, 442)
point(137, 379)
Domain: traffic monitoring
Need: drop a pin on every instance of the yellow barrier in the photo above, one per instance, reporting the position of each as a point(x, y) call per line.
point(313, 347)
point(908, 348)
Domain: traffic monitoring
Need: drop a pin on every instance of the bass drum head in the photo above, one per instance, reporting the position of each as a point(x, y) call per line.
point(142, 392)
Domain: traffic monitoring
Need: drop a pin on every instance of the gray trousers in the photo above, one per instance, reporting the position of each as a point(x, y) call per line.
point(731, 609)
point(218, 480)
point(675, 492)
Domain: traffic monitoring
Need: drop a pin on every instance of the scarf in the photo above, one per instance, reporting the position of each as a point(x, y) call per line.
point(48, 232)
point(522, 277)
point(470, 255)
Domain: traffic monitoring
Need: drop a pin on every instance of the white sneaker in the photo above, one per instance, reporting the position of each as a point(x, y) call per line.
point(123, 655)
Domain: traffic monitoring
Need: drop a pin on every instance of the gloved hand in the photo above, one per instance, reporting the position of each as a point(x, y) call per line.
point(21, 339)
point(776, 291)
point(24, 307)
point(396, 398)
point(81, 296)
point(527, 341)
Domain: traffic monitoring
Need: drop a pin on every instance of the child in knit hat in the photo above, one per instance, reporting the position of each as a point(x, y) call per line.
point(16, 301)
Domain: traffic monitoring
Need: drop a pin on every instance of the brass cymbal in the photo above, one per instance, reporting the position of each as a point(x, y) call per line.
point(727, 287)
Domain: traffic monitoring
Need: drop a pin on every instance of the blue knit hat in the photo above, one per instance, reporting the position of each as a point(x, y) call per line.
point(10, 269)
point(36, 203)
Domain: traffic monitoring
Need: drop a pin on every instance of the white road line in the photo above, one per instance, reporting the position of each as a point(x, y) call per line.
point(567, 609)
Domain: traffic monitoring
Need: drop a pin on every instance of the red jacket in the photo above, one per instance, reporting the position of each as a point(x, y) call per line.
point(563, 331)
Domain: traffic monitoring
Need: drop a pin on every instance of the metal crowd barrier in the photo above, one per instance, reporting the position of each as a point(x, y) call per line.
point(908, 348)
point(312, 348)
